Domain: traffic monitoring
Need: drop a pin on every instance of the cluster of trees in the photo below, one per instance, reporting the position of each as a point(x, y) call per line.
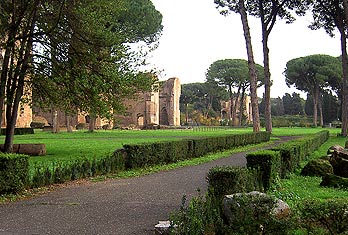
point(329, 15)
point(73, 54)
point(319, 76)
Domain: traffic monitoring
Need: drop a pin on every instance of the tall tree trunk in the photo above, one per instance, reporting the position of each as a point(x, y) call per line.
point(241, 107)
point(186, 113)
point(252, 69)
point(55, 121)
point(267, 82)
point(5, 69)
point(315, 105)
point(344, 83)
point(92, 121)
point(16, 78)
point(235, 105)
point(231, 106)
point(68, 123)
point(320, 108)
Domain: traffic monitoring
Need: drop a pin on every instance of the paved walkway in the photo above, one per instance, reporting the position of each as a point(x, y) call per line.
point(120, 206)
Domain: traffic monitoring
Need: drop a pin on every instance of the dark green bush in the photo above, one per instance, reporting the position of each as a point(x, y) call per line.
point(329, 215)
point(76, 169)
point(229, 180)
point(81, 126)
point(268, 162)
point(295, 151)
point(19, 131)
point(37, 125)
point(167, 152)
point(14, 171)
point(317, 167)
point(199, 216)
point(254, 215)
point(335, 181)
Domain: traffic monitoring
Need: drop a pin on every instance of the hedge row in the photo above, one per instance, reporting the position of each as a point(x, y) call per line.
point(229, 180)
point(19, 131)
point(285, 158)
point(149, 154)
point(270, 164)
point(14, 171)
point(76, 169)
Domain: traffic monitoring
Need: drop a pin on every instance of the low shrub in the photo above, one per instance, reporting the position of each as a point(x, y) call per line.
point(14, 171)
point(229, 180)
point(250, 214)
point(317, 167)
point(285, 158)
point(198, 216)
point(37, 125)
point(81, 126)
point(19, 131)
point(328, 216)
point(77, 169)
point(150, 154)
point(268, 162)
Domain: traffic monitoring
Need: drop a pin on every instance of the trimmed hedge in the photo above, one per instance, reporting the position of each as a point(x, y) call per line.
point(295, 151)
point(285, 158)
point(19, 131)
point(264, 166)
point(150, 154)
point(229, 180)
point(77, 169)
point(268, 163)
point(131, 156)
point(14, 172)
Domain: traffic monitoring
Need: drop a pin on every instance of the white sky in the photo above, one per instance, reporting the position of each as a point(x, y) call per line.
point(195, 35)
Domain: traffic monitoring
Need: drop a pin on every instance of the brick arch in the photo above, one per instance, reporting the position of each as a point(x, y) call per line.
point(164, 120)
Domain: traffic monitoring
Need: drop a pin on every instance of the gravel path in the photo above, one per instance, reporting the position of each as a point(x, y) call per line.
point(119, 206)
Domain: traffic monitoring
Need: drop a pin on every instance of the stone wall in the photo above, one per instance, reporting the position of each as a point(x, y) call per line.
point(154, 108)
point(226, 109)
point(170, 102)
point(148, 108)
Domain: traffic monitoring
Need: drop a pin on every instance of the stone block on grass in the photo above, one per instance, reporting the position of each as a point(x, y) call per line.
point(28, 149)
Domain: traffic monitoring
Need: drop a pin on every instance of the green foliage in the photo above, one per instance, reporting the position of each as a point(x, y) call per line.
point(268, 162)
point(254, 215)
point(228, 180)
point(167, 152)
point(328, 215)
point(37, 125)
point(331, 180)
point(76, 169)
point(201, 97)
point(19, 131)
point(199, 216)
point(295, 151)
point(310, 72)
point(318, 167)
point(14, 172)
point(293, 104)
point(292, 121)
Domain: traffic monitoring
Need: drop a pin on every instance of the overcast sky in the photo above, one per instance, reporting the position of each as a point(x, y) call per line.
point(195, 35)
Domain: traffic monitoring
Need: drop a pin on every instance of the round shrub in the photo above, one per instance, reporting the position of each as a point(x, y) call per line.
point(318, 167)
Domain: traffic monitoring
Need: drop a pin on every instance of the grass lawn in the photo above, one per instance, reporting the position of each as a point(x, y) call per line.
point(66, 146)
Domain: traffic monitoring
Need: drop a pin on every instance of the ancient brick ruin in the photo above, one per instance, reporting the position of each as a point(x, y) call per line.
point(226, 113)
point(154, 108)
point(159, 107)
